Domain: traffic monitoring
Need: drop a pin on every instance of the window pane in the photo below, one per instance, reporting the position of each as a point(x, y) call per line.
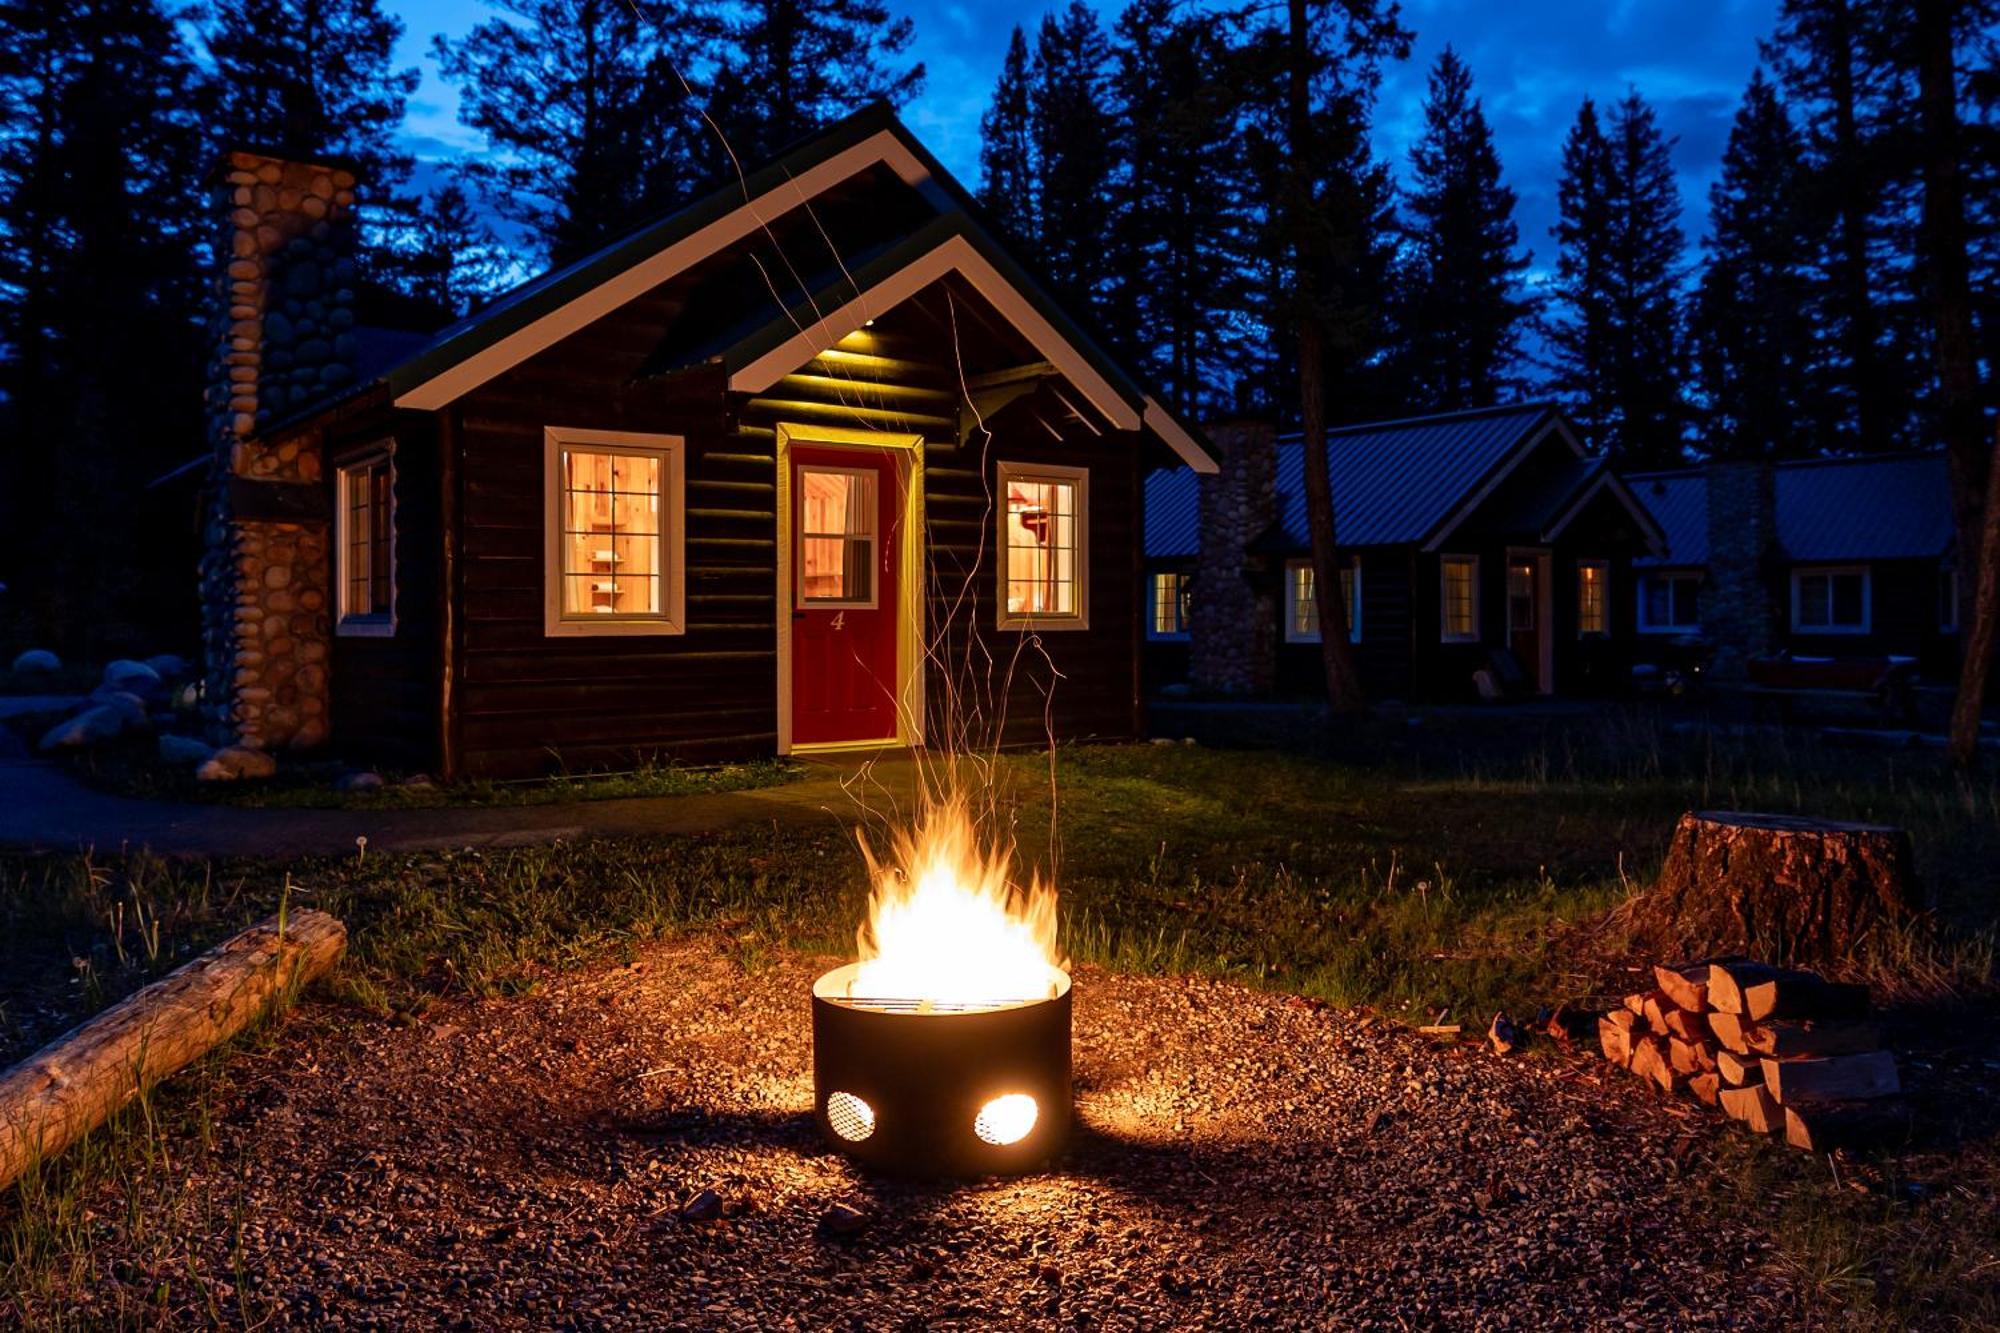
point(1458, 599)
point(1848, 601)
point(1305, 604)
point(1591, 616)
point(1169, 603)
point(1815, 600)
point(1041, 539)
point(611, 534)
point(836, 527)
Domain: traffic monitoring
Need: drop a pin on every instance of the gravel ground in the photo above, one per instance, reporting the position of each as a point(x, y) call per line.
point(1243, 1160)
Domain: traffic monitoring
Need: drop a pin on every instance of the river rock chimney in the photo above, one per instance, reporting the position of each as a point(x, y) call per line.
point(1233, 617)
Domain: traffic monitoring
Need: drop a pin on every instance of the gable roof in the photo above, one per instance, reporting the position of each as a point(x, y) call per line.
point(1829, 510)
point(1412, 481)
point(545, 309)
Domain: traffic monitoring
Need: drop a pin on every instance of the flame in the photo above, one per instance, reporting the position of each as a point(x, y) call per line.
point(946, 925)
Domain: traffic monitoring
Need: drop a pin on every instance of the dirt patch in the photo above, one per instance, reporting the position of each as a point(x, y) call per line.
point(1243, 1160)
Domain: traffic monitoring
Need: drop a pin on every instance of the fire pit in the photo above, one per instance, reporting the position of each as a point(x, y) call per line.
point(945, 1049)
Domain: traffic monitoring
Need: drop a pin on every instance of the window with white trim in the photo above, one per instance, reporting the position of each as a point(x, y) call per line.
point(1171, 594)
point(1593, 598)
point(1831, 601)
point(1302, 606)
point(614, 533)
point(1669, 602)
point(1458, 598)
point(1044, 515)
point(365, 546)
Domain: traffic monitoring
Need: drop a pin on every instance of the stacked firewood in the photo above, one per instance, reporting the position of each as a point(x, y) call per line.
point(1779, 1050)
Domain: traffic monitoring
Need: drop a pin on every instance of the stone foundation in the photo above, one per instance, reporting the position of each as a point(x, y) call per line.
point(1233, 620)
point(283, 339)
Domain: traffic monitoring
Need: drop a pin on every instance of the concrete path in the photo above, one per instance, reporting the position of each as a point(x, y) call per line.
point(42, 806)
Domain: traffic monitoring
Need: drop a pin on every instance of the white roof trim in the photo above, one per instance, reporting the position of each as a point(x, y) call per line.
point(1178, 440)
point(954, 254)
point(883, 146)
point(1609, 480)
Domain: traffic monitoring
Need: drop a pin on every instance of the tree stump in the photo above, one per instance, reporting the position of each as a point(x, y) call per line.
point(1792, 891)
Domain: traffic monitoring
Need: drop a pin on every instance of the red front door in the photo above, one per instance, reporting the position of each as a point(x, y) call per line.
point(845, 540)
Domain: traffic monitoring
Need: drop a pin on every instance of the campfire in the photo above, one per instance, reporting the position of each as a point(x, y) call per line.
point(945, 1048)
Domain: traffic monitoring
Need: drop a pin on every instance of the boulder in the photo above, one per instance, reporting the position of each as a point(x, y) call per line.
point(362, 780)
point(37, 661)
point(104, 721)
point(184, 750)
point(132, 677)
point(235, 762)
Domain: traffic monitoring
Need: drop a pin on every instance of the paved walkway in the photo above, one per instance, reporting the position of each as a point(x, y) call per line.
point(43, 806)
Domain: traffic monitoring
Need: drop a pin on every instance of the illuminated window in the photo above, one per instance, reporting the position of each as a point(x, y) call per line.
point(365, 576)
point(1593, 604)
point(1669, 603)
point(836, 537)
point(1830, 601)
point(614, 533)
point(1458, 612)
point(1044, 520)
point(1302, 611)
point(1171, 602)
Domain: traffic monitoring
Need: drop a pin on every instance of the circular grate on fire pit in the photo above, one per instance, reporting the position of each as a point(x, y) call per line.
point(849, 1116)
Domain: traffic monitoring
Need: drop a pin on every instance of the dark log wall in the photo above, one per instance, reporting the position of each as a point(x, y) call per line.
point(385, 694)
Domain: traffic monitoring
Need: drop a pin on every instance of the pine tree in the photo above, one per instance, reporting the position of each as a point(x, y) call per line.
point(789, 66)
point(591, 130)
point(1181, 224)
point(103, 219)
point(1006, 151)
point(1460, 306)
point(1829, 56)
point(450, 259)
point(1074, 153)
point(312, 79)
point(1752, 340)
point(1617, 340)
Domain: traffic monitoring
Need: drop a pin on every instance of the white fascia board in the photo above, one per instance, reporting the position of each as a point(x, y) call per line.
point(883, 147)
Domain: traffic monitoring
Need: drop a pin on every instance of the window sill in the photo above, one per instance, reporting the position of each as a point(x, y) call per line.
point(608, 629)
point(1168, 638)
point(1044, 625)
point(364, 629)
point(1830, 630)
point(1670, 629)
point(1459, 638)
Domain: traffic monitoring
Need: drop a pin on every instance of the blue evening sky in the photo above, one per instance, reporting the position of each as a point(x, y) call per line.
point(1533, 61)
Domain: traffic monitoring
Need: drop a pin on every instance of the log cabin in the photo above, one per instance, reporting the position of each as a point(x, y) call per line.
point(812, 463)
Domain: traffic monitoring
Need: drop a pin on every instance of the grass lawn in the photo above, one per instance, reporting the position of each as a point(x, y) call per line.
point(1455, 867)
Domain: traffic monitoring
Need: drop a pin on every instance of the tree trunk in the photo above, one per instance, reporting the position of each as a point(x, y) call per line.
point(1957, 360)
point(1343, 686)
point(67, 1088)
point(1795, 892)
point(1982, 630)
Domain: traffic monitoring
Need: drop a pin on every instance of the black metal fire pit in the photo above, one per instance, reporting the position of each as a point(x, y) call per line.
point(948, 1090)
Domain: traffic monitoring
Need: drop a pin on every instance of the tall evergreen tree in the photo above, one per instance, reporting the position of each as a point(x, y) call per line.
point(1074, 152)
point(1751, 332)
point(1829, 55)
point(789, 66)
point(1460, 307)
point(590, 126)
point(1007, 149)
point(1181, 226)
point(310, 79)
point(449, 257)
point(103, 219)
point(1617, 340)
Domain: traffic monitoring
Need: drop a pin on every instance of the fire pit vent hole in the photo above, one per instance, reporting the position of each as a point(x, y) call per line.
point(852, 1118)
point(1006, 1119)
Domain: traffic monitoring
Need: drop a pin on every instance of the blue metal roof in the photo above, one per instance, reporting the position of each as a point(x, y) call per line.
point(1394, 482)
point(1890, 507)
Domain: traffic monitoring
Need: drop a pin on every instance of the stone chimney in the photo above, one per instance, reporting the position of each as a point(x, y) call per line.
point(1739, 608)
point(1233, 620)
point(283, 338)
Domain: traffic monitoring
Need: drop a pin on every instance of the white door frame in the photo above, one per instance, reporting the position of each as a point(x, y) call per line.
point(910, 582)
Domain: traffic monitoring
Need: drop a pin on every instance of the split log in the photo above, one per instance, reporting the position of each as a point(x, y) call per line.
point(1636, 1004)
point(1649, 1061)
point(1836, 1078)
point(1786, 1040)
point(1729, 1032)
point(1616, 1042)
point(1758, 992)
point(1802, 892)
point(1739, 1070)
point(1754, 1106)
point(1623, 1018)
point(1656, 1009)
point(1689, 1057)
point(1686, 986)
point(73, 1084)
point(1707, 1089)
point(1826, 1126)
point(1687, 1026)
